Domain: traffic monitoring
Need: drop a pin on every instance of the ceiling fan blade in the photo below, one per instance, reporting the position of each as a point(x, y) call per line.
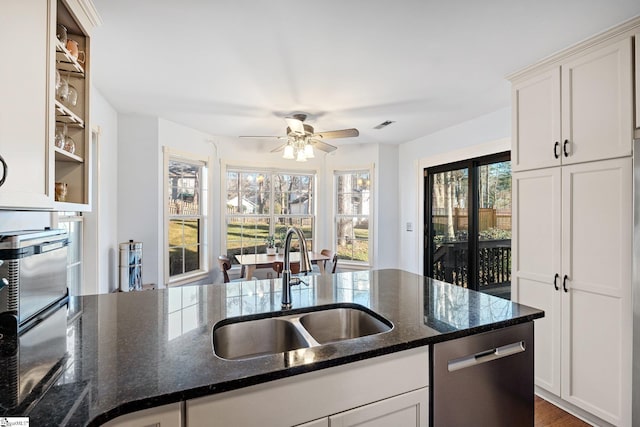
point(333, 134)
point(279, 148)
point(295, 125)
point(322, 146)
point(262, 137)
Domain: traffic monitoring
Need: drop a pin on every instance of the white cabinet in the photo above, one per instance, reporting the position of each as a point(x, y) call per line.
point(162, 416)
point(572, 258)
point(24, 113)
point(407, 410)
point(578, 111)
point(72, 155)
point(30, 114)
point(385, 388)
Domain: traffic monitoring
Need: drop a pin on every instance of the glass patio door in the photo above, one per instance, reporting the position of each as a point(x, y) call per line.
point(449, 225)
point(468, 224)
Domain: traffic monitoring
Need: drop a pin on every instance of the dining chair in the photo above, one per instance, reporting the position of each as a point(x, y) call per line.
point(333, 259)
point(225, 266)
point(278, 266)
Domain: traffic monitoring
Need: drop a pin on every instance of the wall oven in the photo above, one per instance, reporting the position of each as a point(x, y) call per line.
point(33, 271)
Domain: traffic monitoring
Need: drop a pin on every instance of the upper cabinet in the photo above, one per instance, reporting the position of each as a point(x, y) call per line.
point(25, 27)
point(71, 141)
point(45, 135)
point(578, 110)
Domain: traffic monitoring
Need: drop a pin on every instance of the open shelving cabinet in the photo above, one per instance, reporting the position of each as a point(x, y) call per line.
point(71, 168)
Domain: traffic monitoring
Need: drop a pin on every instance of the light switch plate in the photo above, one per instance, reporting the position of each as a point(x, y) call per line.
point(409, 226)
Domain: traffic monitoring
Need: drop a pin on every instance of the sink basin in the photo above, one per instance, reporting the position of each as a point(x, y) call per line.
point(244, 340)
point(339, 324)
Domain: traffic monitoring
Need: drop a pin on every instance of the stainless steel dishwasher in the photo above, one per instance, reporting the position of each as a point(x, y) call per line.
point(484, 379)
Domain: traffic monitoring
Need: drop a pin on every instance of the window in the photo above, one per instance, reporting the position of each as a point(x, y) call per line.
point(262, 203)
point(468, 224)
point(186, 179)
point(353, 208)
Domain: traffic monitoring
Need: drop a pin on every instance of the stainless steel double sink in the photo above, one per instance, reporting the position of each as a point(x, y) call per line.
point(276, 333)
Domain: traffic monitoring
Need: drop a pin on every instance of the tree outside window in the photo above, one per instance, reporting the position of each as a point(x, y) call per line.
point(353, 210)
point(262, 203)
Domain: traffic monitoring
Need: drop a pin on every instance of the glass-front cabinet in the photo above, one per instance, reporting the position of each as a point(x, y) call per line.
point(71, 136)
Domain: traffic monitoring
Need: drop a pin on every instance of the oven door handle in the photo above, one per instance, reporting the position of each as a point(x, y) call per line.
point(50, 246)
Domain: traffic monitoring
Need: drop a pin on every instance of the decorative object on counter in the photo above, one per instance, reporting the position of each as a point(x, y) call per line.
point(271, 245)
point(130, 266)
point(61, 191)
point(61, 34)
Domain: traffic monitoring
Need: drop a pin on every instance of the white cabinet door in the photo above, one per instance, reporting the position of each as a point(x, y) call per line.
point(596, 307)
point(537, 264)
point(597, 104)
point(25, 28)
point(162, 416)
point(407, 410)
point(536, 122)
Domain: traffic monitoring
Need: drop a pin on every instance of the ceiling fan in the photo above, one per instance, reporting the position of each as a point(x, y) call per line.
point(302, 139)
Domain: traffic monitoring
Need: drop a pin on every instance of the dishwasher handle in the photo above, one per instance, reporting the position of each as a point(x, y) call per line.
point(485, 356)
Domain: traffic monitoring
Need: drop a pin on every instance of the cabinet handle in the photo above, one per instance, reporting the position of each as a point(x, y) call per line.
point(564, 147)
point(5, 171)
point(564, 283)
point(555, 282)
point(555, 149)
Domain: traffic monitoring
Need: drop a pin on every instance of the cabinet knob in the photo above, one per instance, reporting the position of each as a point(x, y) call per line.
point(564, 148)
point(564, 283)
point(555, 149)
point(555, 280)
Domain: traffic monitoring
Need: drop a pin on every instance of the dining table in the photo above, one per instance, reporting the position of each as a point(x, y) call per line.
point(252, 261)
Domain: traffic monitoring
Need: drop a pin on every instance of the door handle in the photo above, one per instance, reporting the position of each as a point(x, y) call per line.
point(555, 281)
point(564, 148)
point(555, 149)
point(486, 356)
point(564, 283)
point(5, 171)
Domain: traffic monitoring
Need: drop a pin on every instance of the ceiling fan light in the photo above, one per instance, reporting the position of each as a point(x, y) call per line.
point(288, 152)
point(301, 157)
point(308, 151)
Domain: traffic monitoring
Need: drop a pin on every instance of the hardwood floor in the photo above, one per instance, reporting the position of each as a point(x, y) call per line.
point(547, 414)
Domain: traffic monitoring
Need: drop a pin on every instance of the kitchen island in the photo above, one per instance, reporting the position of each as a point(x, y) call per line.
point(127, 352)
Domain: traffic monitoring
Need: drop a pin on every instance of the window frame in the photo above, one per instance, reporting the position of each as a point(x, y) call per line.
point(370, 216)
point(271, 217)
point(204, 162)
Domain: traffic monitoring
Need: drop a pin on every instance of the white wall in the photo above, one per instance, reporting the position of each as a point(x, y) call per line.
point(139, 162)
point(101, 225)
point(459, 142)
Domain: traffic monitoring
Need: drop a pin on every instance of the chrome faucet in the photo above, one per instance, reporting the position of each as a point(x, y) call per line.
point(305, 265)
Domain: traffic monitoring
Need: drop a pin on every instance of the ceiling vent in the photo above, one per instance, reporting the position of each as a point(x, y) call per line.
point(384, 124)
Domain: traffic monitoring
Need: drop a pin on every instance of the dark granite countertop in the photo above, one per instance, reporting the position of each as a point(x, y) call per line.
point(131, 351)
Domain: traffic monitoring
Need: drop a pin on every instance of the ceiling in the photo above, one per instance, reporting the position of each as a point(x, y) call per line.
point(237, 67)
